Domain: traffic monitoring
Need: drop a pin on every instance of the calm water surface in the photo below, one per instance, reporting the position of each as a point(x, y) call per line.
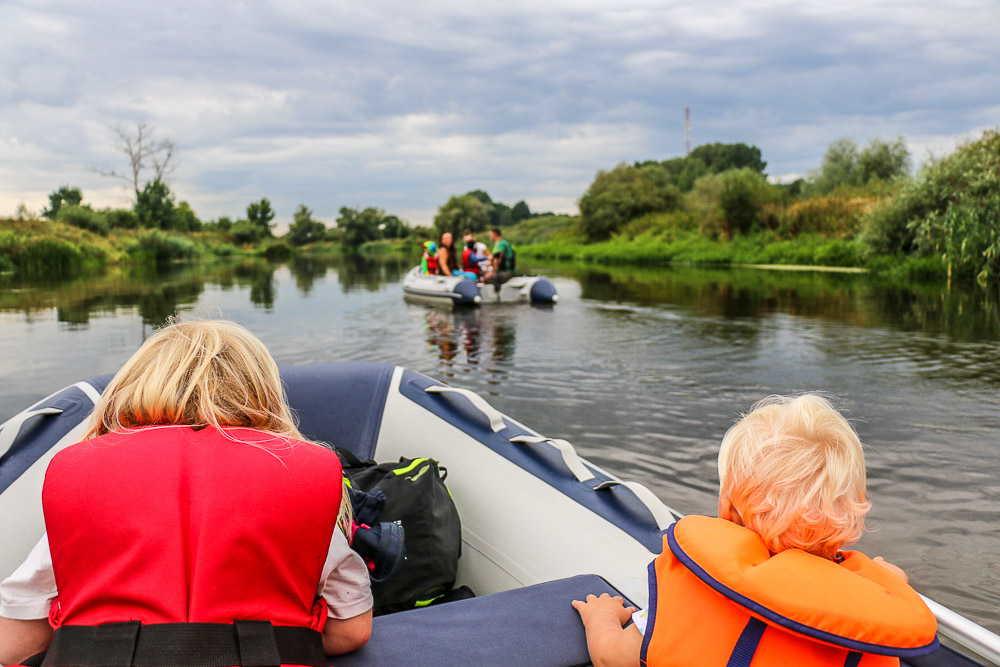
point(642, 370)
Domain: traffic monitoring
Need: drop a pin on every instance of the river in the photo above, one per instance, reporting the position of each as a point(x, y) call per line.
point(643, 370)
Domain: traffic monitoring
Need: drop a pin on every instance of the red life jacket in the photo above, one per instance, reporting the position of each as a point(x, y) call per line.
point(718, 597)
point(432, 262)
point(468, 264)
point(173, 525)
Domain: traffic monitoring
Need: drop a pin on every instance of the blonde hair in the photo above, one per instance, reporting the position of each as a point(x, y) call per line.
point(200, 373)
point(794, 470)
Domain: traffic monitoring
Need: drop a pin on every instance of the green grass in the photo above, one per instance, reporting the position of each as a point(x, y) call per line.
point(696, 250)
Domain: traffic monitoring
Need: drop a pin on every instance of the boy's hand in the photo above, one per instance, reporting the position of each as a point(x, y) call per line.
point(895, 569)
point(598, 605)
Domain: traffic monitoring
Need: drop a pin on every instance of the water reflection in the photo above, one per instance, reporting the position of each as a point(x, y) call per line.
point(486, 337)
point(967, 314)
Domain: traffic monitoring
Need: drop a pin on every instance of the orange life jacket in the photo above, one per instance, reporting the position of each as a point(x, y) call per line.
point(173, 525)
point(718, 597)
point(467, 263)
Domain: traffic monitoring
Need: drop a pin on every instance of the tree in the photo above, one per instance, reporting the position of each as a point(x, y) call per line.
point(718, 158)
point(622, 194)
point(358, 227)
point(883, 160)
point(64, 196)
point(845, 165)
point(520, 211)
point(304, 229)
point(743, 193)
point(460, 213)
point(260, 215)
point(154, 206)
point(394, 228)
point(144, 152)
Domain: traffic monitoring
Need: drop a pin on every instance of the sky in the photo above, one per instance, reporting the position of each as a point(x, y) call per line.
point(400, 105)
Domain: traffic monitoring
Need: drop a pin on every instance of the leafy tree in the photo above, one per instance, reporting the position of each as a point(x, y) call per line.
point(846, 165)
point(304, 229)
point(154, 206)
point(622, 194)
point(459, 213)
point(718, 158)
point(260, 215)
point(883, 160)
point(64, 196)
point(185, 219)
point(743, 193)
point(84, 217)
point(394, 228)
point(359, 227)
point(951, 210)
point(520, 211)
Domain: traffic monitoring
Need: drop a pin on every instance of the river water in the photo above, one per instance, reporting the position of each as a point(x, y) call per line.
point(643, 370)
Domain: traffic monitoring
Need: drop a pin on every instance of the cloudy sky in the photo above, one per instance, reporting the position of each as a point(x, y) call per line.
point(401, 104)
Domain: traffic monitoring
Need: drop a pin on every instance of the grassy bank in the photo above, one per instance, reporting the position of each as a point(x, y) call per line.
point(47, 248)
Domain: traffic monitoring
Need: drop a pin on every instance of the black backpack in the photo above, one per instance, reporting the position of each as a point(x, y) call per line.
point(417, 498)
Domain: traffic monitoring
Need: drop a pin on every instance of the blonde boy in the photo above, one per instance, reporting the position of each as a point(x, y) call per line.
point(792, 473)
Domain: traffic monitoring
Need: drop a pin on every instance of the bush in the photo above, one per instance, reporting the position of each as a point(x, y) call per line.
point(83, 217)
point(952, 211)
point(158, 248)
point(40, 256)
point(121, 219)
point(618, 196)
point(742, 194)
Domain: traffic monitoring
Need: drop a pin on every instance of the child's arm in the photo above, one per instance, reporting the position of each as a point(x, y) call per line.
point(895, 569)
point(609, 644)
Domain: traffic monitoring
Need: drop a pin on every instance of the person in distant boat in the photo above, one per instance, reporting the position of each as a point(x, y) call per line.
point(448, 259)
point(195, 519)
point(479, 249)
point(471, 261)
point(429, 262)
point(767, 581)
point(502, 262)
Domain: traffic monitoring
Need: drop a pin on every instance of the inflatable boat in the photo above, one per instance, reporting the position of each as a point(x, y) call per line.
point(422, 287)
point(541, 526)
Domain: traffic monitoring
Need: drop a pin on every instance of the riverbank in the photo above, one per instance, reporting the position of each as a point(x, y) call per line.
point(47, 248)
point(763, 249)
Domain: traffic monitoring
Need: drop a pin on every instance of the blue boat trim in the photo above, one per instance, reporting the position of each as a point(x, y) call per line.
point(544, 462)
point(40, 434)
point(784, 621)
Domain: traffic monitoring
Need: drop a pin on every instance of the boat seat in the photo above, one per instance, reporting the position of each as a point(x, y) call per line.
point(526, 626)
point(340, 404)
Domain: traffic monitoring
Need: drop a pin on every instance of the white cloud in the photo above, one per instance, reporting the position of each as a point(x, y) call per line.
point(399, 104)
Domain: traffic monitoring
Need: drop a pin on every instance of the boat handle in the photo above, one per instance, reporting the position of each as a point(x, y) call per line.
point(661, 513)
point(569, 455)
point(496, 418)
point(8, 436)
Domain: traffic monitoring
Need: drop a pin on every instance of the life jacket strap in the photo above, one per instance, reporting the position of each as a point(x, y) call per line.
point(133, 644)
point(746, 645)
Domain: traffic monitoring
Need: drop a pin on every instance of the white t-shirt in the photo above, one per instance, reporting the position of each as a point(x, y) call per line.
point(27, 594)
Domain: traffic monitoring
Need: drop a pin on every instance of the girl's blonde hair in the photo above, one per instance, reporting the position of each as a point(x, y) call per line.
point(200, 373)
point(794, 470)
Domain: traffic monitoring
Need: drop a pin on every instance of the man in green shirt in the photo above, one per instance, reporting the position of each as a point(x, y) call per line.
point(502, 264)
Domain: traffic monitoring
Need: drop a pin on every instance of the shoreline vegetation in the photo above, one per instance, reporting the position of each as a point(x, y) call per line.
point(861, 210)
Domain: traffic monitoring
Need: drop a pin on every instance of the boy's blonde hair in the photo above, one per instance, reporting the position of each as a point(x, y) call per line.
point(200, 373)
point(794, 470)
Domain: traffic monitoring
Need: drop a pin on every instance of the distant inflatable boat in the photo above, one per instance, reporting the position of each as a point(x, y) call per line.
point(541, 526)
point(460, 291)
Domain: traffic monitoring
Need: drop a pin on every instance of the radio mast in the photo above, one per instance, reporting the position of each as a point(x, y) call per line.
point(687, 131)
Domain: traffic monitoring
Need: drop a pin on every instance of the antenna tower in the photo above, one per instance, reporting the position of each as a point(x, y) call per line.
point(687, 131)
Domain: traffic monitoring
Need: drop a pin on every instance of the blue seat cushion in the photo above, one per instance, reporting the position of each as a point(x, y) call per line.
point(535, 625)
